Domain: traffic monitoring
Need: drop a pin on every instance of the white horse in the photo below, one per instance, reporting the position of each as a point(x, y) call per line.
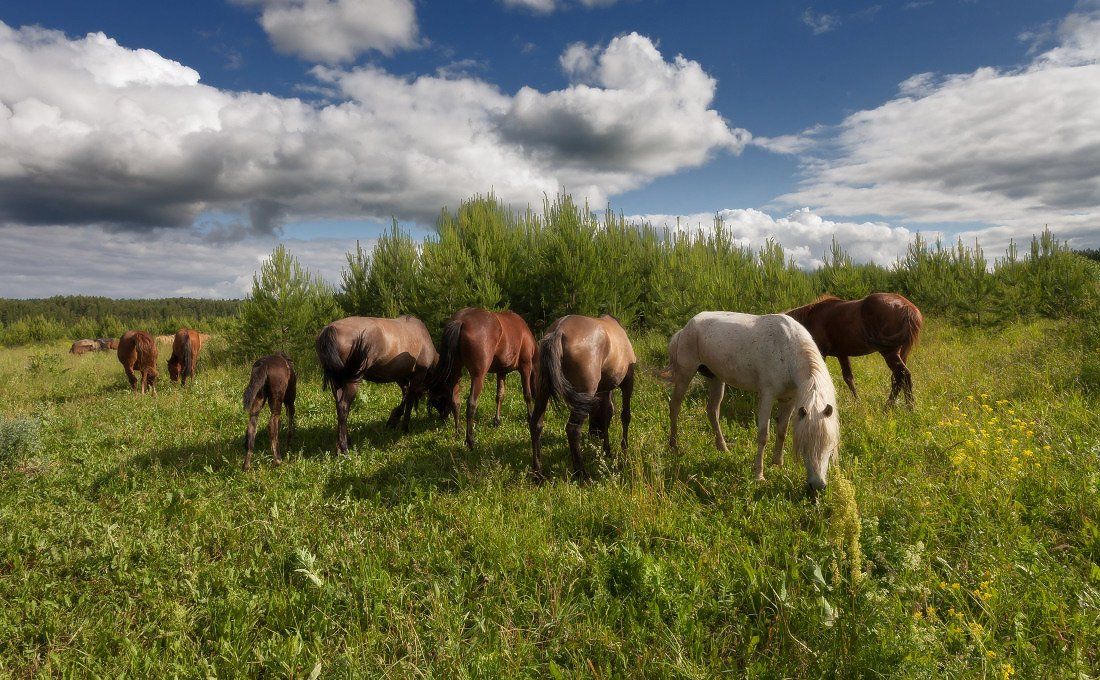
point(774, 356)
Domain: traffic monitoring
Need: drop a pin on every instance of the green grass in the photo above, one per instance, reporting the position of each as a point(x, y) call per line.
point(131, 543)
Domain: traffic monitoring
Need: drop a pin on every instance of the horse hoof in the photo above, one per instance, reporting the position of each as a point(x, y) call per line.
point(722, 447)
point(759, 477)
point(496, 422)
point(276, 463)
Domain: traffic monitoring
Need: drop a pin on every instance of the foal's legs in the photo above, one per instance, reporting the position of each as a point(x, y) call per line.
point(846, 371)
point(716, 389)
point(132, 378)
point(763, 417)
point(500, 398)
point(273, 429)
point(250, 433)
point(782, 420)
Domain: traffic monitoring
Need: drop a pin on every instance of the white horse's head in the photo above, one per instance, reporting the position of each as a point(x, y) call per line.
point(817, 440)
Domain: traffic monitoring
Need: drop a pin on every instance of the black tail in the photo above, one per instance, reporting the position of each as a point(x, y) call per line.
point(256, 383)
point(188, 357)
point(550, 373)
point(337, 371)
point(450, 363)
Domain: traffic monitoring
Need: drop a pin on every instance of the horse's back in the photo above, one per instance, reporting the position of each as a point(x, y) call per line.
point(403, 340)
point(747, 351)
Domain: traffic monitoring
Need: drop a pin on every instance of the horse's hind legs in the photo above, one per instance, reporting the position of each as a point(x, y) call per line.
point(250, 437)
point(715, 391)
point(901, 379)
point(500, 398)
point(573, 432)
point(535, 424)
point(627, 387)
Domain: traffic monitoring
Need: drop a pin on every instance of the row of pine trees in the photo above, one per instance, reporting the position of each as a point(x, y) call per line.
point(569, 260)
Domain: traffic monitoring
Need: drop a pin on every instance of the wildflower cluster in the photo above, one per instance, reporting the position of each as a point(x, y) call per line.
point(984, 436)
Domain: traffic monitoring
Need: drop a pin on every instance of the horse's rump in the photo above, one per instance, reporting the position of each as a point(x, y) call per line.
point(890, 321)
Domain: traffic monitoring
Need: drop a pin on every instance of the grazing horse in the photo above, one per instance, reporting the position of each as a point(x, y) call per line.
point(773, 356)
point(379, 350)
point(483, 342)
point(103, 344)
point(581, 359)
point(273, 382)
point(886, 323)
point(137, 351)
point(185, 353)
point(83, 347)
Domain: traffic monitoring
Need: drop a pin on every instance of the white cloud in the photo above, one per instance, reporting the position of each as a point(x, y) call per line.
point(336, 31)
point(548, 6)
point(820, 23)
point(92, 132)
point(1015, 148)
point(60, 260)
point(804, 235)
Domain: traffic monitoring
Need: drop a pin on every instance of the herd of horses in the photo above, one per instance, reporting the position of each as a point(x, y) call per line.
point(581, 361)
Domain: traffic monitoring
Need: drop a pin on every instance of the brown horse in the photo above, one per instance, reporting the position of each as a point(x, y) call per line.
point(379, 350)
point(581, 359)
point(273, 382)
point(483, 342)
point(185, 353)
point(138, 352)
point(886, 323)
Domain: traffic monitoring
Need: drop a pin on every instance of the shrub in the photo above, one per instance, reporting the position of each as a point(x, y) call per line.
point(19, 439)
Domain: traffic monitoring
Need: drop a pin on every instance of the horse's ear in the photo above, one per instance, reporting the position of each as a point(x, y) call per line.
point(828, 410)
point(801, 411)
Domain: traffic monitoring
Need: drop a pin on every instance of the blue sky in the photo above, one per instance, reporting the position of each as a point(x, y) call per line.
point(871, 152)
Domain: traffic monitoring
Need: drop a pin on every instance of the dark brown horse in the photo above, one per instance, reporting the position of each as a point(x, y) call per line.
point(483, 342)
point(138, 352)
point(379, 350)
point(185, 352)
point(886, 323)
point(273, 382)
point(581, 359)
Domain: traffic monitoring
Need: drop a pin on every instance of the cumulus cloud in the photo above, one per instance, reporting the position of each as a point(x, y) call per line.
point(65, 260)
point(1015, 148)
point(548, 6)
point(92, 132)
point(335, 31)
point(804, 235)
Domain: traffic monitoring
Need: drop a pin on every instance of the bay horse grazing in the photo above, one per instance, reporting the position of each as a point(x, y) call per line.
point(273, 382)
point(581, 359)
point(185, 353)
point(137, 351)
point(886, 323)
point(774, 357)
point(379, 350)
point(482, 342)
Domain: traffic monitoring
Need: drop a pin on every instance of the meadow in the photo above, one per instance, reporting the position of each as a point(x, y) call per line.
point(960, 539)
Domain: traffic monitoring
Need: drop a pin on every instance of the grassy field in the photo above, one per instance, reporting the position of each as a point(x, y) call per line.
point(131, 543)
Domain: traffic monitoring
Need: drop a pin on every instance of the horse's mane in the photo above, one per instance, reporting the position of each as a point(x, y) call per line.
point(819, 381)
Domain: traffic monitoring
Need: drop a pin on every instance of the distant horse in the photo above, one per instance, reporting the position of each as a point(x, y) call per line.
point(773, 356)
point(581, 359)
point(138, 352)
point(273, 382)
point(886, 323)
point(379, 350)
point(185, 353)
point(103, 344)
point(83, 347)
point(482, 342)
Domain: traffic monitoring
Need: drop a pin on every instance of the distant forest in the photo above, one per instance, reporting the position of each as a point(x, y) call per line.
point(83, 316)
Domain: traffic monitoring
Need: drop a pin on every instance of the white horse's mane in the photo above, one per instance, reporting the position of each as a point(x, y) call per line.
point(815, 392)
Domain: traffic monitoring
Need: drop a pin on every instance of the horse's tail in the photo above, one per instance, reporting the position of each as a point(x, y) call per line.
point(187, 358)
point(336, 371)
point(450, 364)
point(255, 383)
point(907, 332)
point(550, 374)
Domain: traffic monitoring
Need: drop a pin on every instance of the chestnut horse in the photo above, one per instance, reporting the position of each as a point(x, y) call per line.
point(483, 342)
point(886, 323)
point(185, 353)
point(581, 359)
point(379, 350)
point(273, 382)
point(137, 351)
